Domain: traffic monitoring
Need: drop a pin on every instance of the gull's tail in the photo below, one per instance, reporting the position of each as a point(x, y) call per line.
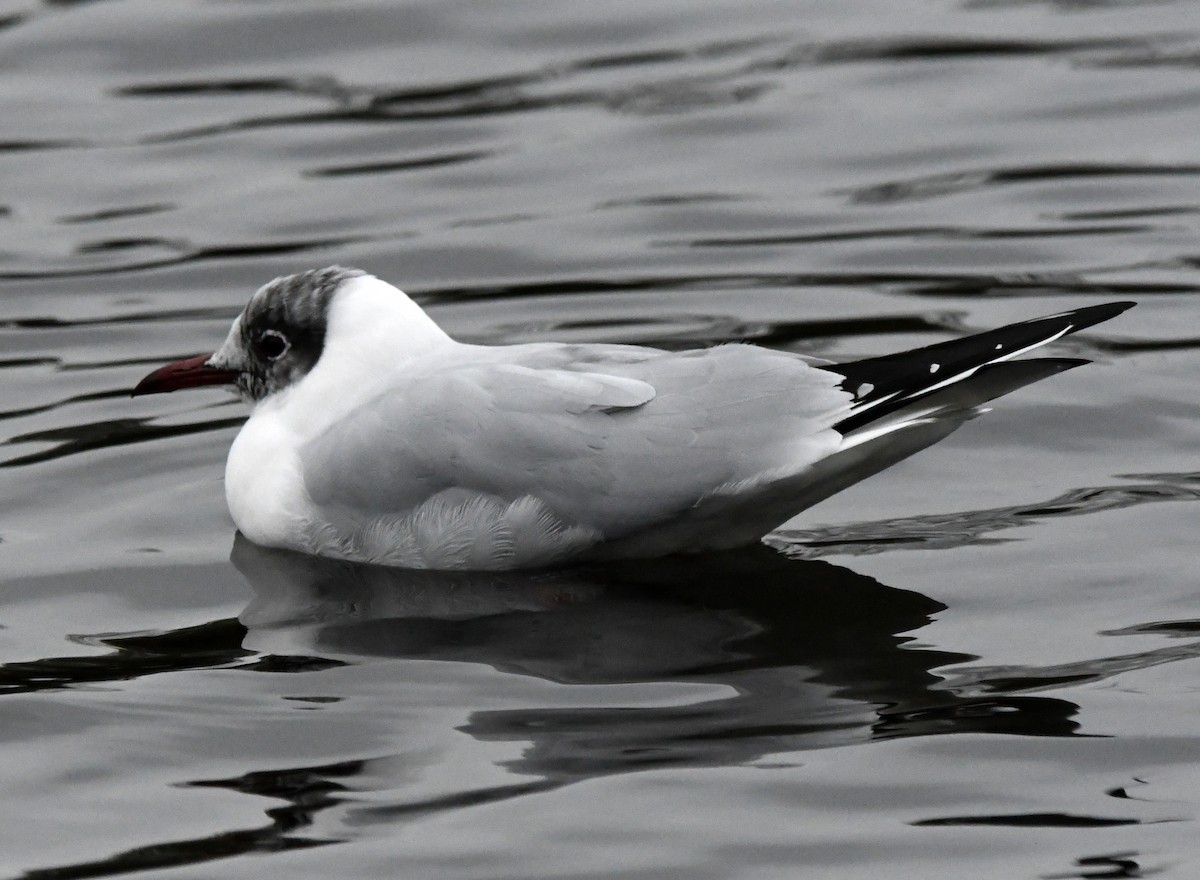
point(957, 375)
point(905, 402)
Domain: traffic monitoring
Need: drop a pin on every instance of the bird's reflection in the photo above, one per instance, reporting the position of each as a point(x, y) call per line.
point(797, 654)
point(813, 654)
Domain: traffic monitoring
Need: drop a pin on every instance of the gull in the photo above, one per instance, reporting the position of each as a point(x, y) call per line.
point(375, 437)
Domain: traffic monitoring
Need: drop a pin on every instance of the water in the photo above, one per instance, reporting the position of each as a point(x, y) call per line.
point(981, 663)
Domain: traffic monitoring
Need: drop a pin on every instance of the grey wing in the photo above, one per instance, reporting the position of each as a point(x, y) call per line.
point(613, 438)
point(496, 428)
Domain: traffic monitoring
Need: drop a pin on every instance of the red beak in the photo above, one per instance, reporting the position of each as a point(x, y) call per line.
point(190, 373)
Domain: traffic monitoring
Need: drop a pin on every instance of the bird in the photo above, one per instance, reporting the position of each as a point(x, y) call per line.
point(375, 437)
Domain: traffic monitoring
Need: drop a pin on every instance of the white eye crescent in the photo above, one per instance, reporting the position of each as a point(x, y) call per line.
point(272, 344)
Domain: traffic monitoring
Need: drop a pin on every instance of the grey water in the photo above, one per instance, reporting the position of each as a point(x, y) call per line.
point(981, 663)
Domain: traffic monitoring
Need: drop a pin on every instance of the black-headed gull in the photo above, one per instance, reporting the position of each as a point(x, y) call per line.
point(375, 437)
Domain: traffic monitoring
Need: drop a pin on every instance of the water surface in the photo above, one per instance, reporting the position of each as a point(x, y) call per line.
point(981, 663)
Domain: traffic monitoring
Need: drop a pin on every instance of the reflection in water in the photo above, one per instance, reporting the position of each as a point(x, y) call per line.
point(812, 653)
point(803, 654)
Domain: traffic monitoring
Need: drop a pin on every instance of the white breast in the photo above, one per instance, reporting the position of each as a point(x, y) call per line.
point(263, 486)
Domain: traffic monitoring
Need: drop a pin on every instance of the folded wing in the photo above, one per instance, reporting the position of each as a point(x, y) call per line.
point(608, 437)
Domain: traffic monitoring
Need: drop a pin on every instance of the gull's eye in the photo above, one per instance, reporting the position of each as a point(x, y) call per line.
point(272, 345)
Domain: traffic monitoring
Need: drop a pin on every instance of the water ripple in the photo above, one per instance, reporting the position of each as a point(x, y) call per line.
point(913, 232)
point(216, 643)
point(930, 47)
point(59, 404)
point(962, 528)
point(920, 284)
point(76, 439)
point(182, 255)
point(1022, 678)
point(117, 213)
point(305, 791)
point(953, 183)
point(1031, 820)
point(519, 92)
point(216, 313)
point(25, 146)
point(418, 163)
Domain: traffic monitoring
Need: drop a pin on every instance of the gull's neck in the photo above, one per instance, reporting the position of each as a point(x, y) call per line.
point(374, 332)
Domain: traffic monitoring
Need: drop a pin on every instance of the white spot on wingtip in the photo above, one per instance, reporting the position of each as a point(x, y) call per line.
point(864, 389)
point(933, 368)
point(999, 346)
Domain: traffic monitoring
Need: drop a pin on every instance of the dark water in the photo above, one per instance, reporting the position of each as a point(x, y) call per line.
point(981, 664)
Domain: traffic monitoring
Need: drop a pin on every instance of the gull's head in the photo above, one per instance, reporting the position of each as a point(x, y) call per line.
point(289, 325)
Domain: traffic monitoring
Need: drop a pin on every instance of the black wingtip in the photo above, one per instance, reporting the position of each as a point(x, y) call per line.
point(1089, 316)
point(883, 384)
